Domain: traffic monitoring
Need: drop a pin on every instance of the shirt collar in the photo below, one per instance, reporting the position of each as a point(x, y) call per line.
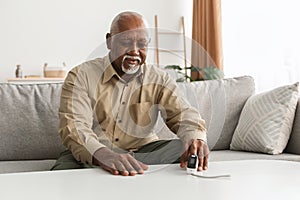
point(109, 72)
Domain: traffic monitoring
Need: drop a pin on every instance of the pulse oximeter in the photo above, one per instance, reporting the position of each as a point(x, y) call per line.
point(192, 164)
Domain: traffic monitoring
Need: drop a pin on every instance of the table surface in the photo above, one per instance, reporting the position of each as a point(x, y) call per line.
point(250, 179)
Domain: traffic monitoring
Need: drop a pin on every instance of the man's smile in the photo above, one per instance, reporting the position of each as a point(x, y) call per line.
point(131, 61)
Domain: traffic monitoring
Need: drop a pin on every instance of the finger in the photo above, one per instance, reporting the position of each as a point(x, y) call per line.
point(185, 147)
point(200, 158)
point(184, 157)
point(127, 164)
point(206, 153)
point(120, 167)
point(143, 165)
point(138, 166)
point(205, 163)
point(112, 170)
point(193, 148)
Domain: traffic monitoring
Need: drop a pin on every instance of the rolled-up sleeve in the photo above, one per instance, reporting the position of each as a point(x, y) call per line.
point(76, 118)
point(180, 116)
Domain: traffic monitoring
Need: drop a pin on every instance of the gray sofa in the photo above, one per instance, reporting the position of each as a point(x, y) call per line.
point(29, 139)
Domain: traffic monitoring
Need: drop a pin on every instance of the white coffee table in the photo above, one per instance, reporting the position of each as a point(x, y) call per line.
point(251, 179)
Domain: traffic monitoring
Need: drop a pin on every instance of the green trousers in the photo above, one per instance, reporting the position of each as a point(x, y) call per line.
point(158, 152)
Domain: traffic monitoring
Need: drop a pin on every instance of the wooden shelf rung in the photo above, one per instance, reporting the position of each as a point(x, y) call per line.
point(173, 50)
point(169, 33)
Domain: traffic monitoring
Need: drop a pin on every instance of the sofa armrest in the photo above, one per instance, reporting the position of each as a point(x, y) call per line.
point(293, 145)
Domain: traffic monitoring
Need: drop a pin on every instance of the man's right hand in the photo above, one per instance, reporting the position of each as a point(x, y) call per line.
point(116, 164)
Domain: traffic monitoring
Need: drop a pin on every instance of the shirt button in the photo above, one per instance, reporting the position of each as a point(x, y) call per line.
point(120, 121)
point(123, 102)
point(117, 139)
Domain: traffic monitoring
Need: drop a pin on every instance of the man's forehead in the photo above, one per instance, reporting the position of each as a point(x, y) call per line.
point(135, 33)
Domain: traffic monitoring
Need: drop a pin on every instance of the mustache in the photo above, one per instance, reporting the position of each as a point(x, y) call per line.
point(133, 58)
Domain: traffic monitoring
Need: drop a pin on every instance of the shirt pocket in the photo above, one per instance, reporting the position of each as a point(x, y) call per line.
point(144, 114)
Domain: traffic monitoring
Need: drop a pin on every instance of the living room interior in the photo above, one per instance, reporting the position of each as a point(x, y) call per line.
point(53, 32)
point(252, 110)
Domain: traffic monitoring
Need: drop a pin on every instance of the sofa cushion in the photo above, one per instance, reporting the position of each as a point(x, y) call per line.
point(227, 155)
point(25, 166)
point(266, 121)
point(29, 121)
point(220, 103)
point(293, 145)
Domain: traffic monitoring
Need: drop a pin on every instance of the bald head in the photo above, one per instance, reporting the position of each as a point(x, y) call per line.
point(127, 21)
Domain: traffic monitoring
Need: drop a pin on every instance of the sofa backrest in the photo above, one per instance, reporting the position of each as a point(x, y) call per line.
point(29, 116)
point(220, 103)
point(29, 121)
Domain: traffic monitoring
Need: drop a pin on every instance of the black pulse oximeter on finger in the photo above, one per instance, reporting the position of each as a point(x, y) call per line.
point(192, 164)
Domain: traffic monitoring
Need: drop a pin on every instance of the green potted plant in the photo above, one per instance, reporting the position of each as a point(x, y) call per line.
point(208, 73)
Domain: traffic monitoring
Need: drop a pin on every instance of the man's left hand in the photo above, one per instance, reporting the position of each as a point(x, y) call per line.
point(199, 148)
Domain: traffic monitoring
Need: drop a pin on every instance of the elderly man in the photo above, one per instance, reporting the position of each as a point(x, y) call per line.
point(110, 105)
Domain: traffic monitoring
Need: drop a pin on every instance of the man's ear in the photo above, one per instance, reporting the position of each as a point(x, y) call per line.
point(108, 40)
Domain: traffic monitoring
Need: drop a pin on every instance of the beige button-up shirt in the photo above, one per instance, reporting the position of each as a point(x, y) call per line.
point(99, 109)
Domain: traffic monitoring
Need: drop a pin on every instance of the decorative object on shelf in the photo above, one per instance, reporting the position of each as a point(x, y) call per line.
point(208, 73)
point(19, 71)
point(55, 72)
point(32, 76)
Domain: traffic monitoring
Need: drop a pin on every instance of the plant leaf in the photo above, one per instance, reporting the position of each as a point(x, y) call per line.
point(175, 67)
point(212, 72)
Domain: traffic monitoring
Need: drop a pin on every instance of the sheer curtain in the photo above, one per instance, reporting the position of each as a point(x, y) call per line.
point(261, 38)
point(206, 35)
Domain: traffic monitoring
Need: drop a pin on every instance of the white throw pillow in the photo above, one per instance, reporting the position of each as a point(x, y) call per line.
point(266, 121)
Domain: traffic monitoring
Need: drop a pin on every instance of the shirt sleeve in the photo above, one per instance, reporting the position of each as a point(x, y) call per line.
point(76, 118)
point(181, 118)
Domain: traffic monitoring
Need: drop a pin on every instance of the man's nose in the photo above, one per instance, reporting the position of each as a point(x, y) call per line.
point(134, 49)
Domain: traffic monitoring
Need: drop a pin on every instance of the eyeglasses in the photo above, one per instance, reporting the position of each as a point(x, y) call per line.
point(129, 43)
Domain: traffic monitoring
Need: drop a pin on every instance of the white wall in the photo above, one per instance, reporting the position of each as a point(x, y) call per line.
point(261, 39)
point(54, 31)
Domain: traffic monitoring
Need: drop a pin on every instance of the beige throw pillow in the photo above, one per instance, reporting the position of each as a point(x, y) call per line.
point(266, 121)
